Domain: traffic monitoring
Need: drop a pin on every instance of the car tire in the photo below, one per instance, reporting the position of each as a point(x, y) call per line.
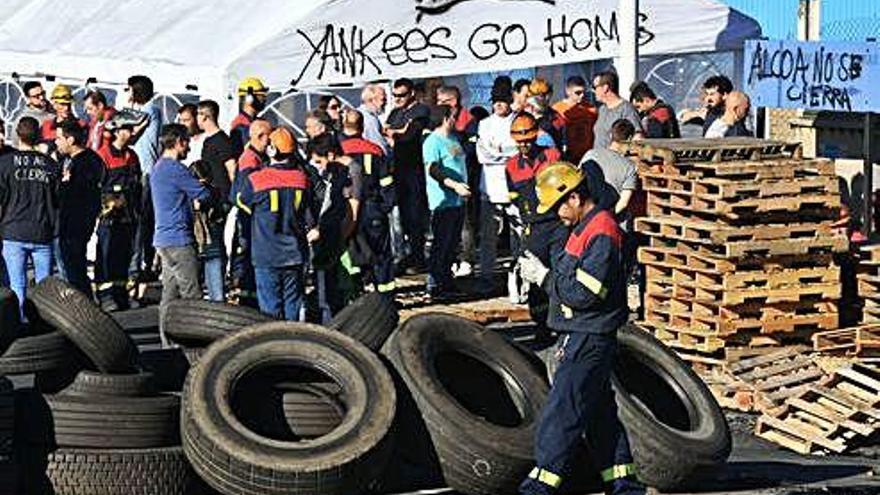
point(369, 319)
point(89, 384)
point(33, 354)
point(94, 332)
point(479, 397)
point(197, 323)
point(234, 451)
point(677, 432)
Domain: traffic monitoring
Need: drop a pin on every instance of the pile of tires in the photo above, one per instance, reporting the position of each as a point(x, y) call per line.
point(8, 471)
point(99, 426)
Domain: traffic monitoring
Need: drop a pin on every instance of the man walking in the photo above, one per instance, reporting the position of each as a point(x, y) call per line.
point(175, 192)
point(588, 286)
point(82, 171)
point(28, 208)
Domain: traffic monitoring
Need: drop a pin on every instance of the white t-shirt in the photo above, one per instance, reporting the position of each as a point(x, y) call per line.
point(494, 147)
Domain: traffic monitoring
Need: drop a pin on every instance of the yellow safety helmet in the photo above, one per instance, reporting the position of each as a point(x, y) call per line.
point(252, 85)
point(62, 94)
point(554, 182)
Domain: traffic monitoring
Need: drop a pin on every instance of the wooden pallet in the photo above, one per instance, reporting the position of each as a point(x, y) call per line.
point(832, 415)
point(795, 208)
point(744, 266)
point(870, 254)
point(720, 233)
point(498, 310)
point(671, 151)
point(725, 189)
point(858, 341)
point(680, 322)
point(734, 289)
point(735, 250)
point(778, 375)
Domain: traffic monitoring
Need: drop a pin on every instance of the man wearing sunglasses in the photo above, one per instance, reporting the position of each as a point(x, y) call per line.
point(579, 117)
point(36, 104)
point(404, 130)
point(606, 86)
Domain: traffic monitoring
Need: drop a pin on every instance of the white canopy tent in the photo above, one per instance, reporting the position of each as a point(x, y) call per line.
point(211, 45)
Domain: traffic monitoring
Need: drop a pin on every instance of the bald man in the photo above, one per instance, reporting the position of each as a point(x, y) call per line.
point(251, 160)
point(373, 100)
point(733, 122)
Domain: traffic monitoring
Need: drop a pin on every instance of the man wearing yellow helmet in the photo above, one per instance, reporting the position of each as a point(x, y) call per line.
point(587, 284)
point(62, 103)
point(252, 94)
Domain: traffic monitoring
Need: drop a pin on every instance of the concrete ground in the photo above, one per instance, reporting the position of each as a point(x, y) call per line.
point(755, 467)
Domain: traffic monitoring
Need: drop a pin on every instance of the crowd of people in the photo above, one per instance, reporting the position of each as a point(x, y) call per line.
point(353, 205)
point(350, 206)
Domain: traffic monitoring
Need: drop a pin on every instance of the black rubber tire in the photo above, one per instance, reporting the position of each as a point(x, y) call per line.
point(94, 332)
point(89, 383)
point(369, 319)
point(197, 323)
point(677, 432)
point(7, 418)
point(10, 318)
point(162, 471)
point(115, 422)
point(223, 446)
point(312, 410)
point(484, 435)
point(193, 354)
point(37, 353)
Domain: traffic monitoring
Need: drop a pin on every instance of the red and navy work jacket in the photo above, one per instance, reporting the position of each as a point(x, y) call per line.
point(377, 183)
point(240, 130)
point(122, 177)
point(521, 171)
point(277, 197)
point(586, 287)
point(660, 122)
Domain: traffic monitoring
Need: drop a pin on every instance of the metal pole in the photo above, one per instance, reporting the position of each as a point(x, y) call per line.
point(627, 60)
point(868, 171)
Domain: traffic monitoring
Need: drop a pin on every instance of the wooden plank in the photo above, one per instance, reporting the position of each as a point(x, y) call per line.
point(799, 429)
point(747, 364)
point(778, 247)
point(794, 209)
point(726, 189)
point(717, 233)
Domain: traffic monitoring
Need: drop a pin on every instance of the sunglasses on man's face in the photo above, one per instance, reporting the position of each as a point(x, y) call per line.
point(400, 95)
point(578, 92)
point(333, 106)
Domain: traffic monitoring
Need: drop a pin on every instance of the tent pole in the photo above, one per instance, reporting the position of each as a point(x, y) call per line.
point(627, 61)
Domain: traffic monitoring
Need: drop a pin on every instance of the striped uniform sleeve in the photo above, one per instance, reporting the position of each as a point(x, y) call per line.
point(587, 286)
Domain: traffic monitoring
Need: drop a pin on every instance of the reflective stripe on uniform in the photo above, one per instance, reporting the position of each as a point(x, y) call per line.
point(240, 204)
point(273, 201)
point(566, 312)
point(591, 283)
point(368, 164)
point(618, 471)
point(387, 287)
point(386, 181)
point(297, 198)
point(546, 477)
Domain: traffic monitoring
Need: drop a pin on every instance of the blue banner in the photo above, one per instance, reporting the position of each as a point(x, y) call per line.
point(840, 76)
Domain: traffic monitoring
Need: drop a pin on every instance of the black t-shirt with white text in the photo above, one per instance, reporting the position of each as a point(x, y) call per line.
point(28, 197)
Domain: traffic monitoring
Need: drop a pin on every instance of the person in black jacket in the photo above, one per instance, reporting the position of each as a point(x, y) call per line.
point(80, 202)
point(28, 208)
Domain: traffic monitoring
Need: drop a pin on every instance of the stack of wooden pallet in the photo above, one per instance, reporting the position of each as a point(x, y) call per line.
point(740, 242)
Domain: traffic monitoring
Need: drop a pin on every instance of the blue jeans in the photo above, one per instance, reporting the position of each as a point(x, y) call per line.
point(214, 279)
point(16, 255)
point(70, 257)
point(280, 291)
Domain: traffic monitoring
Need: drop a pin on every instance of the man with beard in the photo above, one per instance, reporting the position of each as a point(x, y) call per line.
point(715, 91)
point(187, 116)
point(175, 192)
point(80, 202)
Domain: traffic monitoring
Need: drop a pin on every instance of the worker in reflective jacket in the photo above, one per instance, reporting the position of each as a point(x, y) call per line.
point(543, 234)
point(377, 199)
point(252, 159)
point(586, 282)
point(277, 198)
point(120, 199)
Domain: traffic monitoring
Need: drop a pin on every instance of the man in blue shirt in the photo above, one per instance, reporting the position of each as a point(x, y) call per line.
point(446, 183)
point(176, 191)
point(146, 146)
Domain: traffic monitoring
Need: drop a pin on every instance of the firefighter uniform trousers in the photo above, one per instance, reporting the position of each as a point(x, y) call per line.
point(115, 248)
